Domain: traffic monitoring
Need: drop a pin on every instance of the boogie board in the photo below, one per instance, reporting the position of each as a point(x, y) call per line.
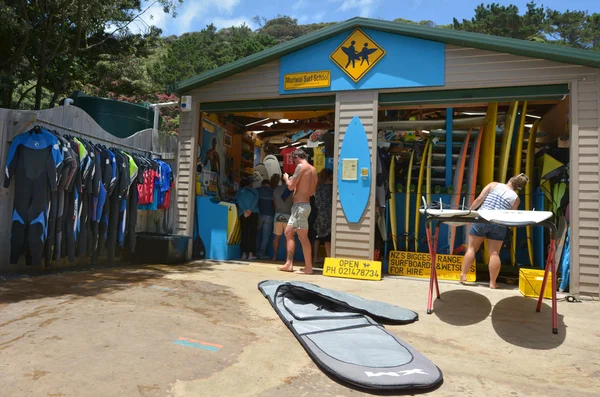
point(458, 181)
point(354, 189)
point(419, 190)
point(515, 218)
point(272, 164)
point(393, 220)
point(232, 220)
point(517, 160)
point(448, 213)
point(528, 188)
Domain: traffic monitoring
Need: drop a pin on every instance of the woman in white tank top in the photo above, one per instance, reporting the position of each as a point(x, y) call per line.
point(495, 196)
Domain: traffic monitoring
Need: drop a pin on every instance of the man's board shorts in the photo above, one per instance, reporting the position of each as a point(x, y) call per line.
point(280, 222)
point(300, 214)
point(491, 232)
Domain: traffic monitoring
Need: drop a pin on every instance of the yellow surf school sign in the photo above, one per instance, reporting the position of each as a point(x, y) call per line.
point(417, 264)
point(305, 80)
point(352, 268)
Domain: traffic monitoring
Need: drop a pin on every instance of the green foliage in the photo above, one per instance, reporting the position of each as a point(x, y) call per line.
point(505, 21)
point(198, 52)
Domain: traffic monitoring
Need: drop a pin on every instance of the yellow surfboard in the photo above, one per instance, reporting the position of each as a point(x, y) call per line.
point(517, 159)
point(392, 186)
point(407, 203)
point(419, 190)
point(528, 188)
point(509, 127)
point(486, 156)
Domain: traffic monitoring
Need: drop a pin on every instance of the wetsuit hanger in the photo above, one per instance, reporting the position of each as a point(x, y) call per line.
point(37, 129)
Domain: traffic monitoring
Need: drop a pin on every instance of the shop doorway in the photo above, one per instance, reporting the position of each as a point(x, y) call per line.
point(238, 146)
point(442, 154)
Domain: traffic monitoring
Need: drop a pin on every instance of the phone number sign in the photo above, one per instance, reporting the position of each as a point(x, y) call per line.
point(416, 264)
point(352, 268)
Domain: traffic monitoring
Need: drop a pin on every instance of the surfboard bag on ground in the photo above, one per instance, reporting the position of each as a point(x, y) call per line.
point(341, 334)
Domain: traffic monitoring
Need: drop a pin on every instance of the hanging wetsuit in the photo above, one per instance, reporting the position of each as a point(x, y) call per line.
point(103, 164)
point(72, 206)
point(123, 200)
point(131, 219)
point(65, 185)
point(111, 175)
point(54, 222)
point(84, 198)
point(115, 200)
point(93, 192)
point(33, 160)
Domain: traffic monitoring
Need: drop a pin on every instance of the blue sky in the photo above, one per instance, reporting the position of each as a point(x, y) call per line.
point(194, 15)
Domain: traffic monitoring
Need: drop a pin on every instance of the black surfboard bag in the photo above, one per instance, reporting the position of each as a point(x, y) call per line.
point(341, 333)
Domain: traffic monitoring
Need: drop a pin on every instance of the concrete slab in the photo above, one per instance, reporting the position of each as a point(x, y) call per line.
point(204, 329)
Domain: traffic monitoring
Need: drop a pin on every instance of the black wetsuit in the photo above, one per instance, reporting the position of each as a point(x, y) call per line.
point(33, 160)
point(52, 250)
point(64, 186)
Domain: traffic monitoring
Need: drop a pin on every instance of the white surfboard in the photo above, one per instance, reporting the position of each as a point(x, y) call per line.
point(264, 173)
point(272, 164)
point(449, 213)
point(256, 179)
point(515, 218)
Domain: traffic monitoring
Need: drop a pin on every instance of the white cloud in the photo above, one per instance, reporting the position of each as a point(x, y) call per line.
point(364, 7)
point(190, 14)
point(229, 22)
point(299, 4)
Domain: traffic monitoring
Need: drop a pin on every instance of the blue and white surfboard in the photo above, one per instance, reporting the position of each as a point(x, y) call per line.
point(354, 194)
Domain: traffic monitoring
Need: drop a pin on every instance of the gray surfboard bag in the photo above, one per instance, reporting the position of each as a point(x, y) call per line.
point(342, 334)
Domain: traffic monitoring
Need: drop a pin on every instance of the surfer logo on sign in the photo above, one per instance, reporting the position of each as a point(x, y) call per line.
point(353, 55)
point(399, 373)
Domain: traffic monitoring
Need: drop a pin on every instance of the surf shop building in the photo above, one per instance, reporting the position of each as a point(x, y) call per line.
point(420, 94)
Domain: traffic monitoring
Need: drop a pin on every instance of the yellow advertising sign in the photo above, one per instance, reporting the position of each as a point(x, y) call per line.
point(417, 264)
point(352, 268)
point(357, 55)
point(302, 81)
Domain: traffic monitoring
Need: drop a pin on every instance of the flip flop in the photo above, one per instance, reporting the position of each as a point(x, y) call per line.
point(301, 271)
point(284, 270)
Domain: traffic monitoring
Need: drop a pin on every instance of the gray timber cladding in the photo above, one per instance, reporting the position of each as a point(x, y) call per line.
point(354, 240)
point(474, 68)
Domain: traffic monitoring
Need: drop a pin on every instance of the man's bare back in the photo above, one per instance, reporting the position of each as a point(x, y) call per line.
point(306, 182)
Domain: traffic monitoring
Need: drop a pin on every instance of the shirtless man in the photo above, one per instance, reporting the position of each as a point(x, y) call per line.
point(303, 183)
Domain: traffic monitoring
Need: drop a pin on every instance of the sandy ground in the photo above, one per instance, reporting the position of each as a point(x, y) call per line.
point(204, 329)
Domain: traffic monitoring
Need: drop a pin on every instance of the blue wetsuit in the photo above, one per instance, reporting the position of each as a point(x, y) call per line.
point(33, 160)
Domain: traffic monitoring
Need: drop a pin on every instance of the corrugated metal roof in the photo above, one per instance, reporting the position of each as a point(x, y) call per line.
point(449, 36)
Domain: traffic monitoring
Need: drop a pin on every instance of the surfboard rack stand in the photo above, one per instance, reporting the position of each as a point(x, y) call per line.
point(432, 241)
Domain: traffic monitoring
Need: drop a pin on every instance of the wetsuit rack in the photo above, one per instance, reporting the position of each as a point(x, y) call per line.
point(472, 217)
point(117, 144)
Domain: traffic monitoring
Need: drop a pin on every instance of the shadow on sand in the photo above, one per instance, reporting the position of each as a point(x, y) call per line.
point(462, 307)
point(515, 320)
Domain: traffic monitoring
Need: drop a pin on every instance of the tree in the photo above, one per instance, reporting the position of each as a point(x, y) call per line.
point(195, 53)
point(505, 21)
point(44, 39)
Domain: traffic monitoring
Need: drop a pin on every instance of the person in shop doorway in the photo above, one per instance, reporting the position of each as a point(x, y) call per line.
point(323, 202)
point(266, 209)
point(303, 183)
point(495, 196)
point(247, 202)
point(283, 211)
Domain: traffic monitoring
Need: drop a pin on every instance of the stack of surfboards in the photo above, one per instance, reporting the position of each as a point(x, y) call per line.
point(487, 154)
